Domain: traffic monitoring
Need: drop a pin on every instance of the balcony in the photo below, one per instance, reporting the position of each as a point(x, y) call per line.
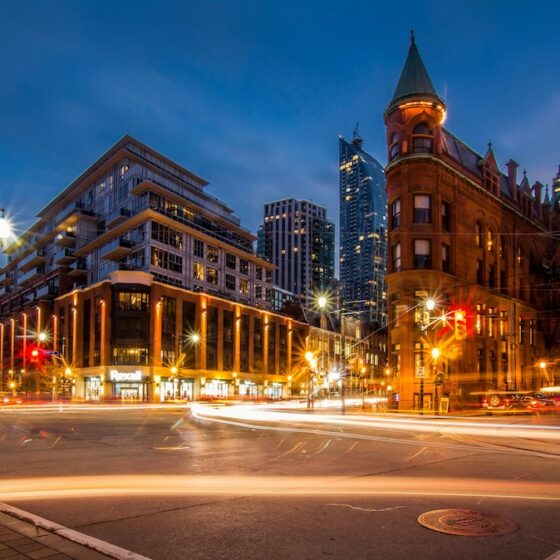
point(117, 217)
point(66, 239)
point(32, 274)
point(46, 292)
point(76, 207)
point(64, 257)
point(34, 259)
point(7, 278)
point(78, 268)
point(116, 250)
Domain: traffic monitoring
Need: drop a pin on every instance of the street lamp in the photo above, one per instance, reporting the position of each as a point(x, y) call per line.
point(435, 356)
point(312, 362)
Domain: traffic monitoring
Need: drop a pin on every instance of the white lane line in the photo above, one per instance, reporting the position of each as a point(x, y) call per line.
point(75, 536)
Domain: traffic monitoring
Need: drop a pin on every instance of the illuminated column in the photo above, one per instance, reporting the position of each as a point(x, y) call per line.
point(289, 348)
point(265, 345)
point(13, 345)
point(24, 355)
point(220, 340)
point(156, 334)
point(55, 332)
point(38, 320)
point(203, 328)
point(103, 341)
point(237, 340)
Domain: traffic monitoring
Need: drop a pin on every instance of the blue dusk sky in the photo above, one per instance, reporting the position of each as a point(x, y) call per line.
point(252, 94)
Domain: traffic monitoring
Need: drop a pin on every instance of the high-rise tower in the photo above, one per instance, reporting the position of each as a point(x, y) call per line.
point(363, 232)
point(298, 238)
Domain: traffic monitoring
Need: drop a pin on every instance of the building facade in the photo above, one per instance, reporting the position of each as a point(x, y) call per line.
point(477, 244)
point(363, 232)
point(134, 238)
point(298, 238)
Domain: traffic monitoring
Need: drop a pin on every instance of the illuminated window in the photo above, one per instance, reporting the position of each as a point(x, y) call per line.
point(212, 253)
point(478, 234)
point(243, 286)
point(244, 266)
point(490, 241)
point(478, 322)
point(422, 209)
point(212, 276)
point(422, 253)
point(421, 139)
point(198, 271)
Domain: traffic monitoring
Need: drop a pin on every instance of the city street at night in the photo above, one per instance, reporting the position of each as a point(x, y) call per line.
point(247, 481)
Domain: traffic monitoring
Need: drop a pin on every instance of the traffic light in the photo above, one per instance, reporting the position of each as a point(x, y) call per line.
point(34, 355)
point(460, 322)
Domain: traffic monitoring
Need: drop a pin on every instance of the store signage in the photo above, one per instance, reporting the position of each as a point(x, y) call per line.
point(115, 375)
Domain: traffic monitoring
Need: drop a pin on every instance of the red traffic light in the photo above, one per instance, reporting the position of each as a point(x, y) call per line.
point(460, 324)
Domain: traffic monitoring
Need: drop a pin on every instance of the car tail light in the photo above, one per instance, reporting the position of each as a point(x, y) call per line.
point(534, 403)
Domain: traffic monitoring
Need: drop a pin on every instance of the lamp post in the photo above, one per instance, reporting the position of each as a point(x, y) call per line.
point(311, 363)
point(435, 356)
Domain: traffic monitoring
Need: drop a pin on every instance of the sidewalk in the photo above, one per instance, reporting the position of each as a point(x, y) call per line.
point(24, 536)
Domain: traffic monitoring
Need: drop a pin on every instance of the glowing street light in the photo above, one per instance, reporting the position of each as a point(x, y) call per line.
point(435, 353)
point(6, 231)
point(430, 304)
point(42, 337)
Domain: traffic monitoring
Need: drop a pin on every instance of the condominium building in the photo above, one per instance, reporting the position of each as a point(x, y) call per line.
point(126, 265)
point(298, 238)
point(363, 232)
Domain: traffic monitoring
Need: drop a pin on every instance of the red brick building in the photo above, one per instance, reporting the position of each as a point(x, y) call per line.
point(477, 241)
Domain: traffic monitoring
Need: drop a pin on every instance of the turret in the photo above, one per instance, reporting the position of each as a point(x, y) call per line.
point(416, 112)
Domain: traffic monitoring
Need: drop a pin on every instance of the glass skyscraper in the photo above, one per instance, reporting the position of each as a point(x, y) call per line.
point(363, 232)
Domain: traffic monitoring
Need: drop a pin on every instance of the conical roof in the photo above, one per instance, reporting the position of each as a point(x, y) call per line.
point(415, 81)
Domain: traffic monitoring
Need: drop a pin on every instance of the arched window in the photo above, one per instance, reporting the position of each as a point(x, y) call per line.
point(490, 241)
point(421, 139)
point(395, 146)
point(478, 234)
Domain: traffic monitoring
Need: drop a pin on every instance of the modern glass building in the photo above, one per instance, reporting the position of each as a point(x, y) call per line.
point(363, 232)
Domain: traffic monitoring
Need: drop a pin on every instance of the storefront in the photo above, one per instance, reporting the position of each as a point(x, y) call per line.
point(129, 385)
point(176, 389)
point(93, 388)
point(215, 389)
point(248, 389)
point(274, 391)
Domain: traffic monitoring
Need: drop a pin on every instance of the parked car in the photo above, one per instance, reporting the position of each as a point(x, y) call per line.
point(506, 400)
point(540, 403)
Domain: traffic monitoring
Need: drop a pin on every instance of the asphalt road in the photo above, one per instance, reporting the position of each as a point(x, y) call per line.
point(170, 485)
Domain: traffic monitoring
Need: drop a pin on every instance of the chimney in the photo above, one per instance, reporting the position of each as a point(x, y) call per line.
point(512, 178)
point(538, 187)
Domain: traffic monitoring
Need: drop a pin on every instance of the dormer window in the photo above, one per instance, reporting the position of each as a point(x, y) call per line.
point(421, 139)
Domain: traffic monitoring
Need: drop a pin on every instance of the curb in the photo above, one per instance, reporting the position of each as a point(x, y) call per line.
point(96, 545)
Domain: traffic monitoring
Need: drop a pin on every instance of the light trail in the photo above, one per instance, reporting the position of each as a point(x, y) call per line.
point(251, 416)
point(270, 486)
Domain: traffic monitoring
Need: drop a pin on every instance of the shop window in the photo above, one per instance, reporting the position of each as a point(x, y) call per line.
point(422, 209)
point(422, 254)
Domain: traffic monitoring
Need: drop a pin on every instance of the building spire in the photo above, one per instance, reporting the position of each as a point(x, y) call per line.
point(414, 82)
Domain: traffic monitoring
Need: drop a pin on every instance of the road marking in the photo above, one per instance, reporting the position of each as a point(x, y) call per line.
point(75, 536)
point(294, 448)
point(55, 442)
point(417, 453)
point(323, 446)
point(368, 509)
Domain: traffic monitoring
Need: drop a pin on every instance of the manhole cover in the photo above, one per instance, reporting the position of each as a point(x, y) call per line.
point(467, 522)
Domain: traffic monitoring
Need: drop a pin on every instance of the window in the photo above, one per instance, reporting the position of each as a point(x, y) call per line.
point(231, 261)
point(478, 234)
point(212, 276)
point(212, 254)
point(258, 292)
point(198, 271)
point(166, 235)
point(230, 281)
point(269, 276)
point(163, 259)
point(397, 257)
point(258, 273)
point(490, 323)
point(478, 323)
point(491, 276)
point(396, 213)
point(132, 301)
point(198, 248)
point(479, 272)
point(422, 209)
point(244, 266)
point(445, 258)
point(243, 286)
point(446, 216)
point(394, 151)
point(422, 254)
point(490, 241)
point(421, 139)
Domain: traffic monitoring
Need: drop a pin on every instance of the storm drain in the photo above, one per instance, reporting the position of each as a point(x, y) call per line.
point(467, 522)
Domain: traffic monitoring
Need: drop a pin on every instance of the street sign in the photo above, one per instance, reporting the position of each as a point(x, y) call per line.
point(420, 372)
